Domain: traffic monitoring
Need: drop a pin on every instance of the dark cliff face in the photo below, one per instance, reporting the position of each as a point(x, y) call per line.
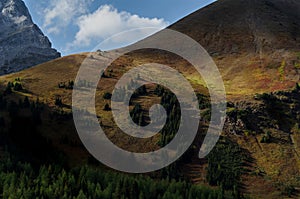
point(235, 26)
point(22, 43)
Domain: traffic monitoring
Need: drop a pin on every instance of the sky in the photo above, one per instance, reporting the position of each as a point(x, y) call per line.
point(75, 26)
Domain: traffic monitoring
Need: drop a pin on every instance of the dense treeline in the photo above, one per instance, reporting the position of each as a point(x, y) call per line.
point(227, 162)
point(21, 180)
point(171, 105)
point(20, 120)
point(24, 108)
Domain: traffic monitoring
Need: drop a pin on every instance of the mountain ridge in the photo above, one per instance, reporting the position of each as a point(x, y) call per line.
point(251, 25)
point(22, 43)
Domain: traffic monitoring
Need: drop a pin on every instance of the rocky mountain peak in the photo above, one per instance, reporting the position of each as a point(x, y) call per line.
point(22, 43)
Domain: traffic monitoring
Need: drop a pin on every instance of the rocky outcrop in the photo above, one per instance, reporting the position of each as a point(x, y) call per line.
point(22, 43)
point(279, 111)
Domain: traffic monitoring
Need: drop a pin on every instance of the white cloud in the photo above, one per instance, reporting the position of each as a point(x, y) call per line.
point(108, 21)
point(61, 13)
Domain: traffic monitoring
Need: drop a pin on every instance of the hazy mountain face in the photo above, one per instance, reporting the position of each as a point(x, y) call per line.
point(22, 43)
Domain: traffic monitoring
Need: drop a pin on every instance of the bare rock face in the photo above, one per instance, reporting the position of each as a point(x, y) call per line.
point(22, 43)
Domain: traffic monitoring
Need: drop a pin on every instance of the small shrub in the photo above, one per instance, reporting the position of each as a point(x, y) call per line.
point(58, 101)
point(61, 85)
point(8, 89)
point(26, 102)
point(18, 86)
point(247, 133)
point(106, 107)
point(297, 87)
point(266, 138)
point(70, 85)
point(107, 96)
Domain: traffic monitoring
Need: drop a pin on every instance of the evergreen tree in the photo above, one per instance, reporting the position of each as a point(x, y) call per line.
point(8, 89)
point(81, 195)
point(58, 101)
point(26, 103)
point(106, 107)
point(18, 86)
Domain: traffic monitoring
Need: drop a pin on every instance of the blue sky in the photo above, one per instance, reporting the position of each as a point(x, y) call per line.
point(80, 25)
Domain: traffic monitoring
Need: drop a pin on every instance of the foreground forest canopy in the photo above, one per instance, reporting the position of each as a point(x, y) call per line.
point(21, 180)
